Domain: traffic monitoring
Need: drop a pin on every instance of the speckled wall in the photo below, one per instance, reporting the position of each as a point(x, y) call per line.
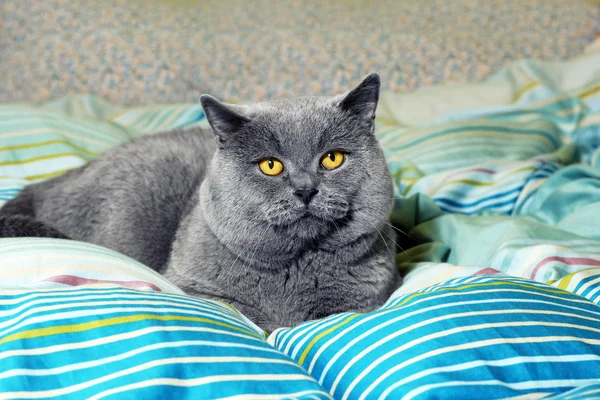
point(149, 51)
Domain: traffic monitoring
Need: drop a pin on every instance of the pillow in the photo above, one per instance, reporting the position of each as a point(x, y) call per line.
point(73, 326)
point(467, 338)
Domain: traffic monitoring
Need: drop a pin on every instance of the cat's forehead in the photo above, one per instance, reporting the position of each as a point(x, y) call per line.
point(294, 110)
point(302, 119)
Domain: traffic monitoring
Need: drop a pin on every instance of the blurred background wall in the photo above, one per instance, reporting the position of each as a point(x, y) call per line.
point(152, 51)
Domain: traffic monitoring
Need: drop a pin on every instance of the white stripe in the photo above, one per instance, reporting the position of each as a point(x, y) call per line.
point(202, 381)
point(37, 372)
point(528, 385)
point(473, 345)
point(184, 300)
point(320, 327)
point(142, 367)
point(447, 304)
point(70, 292)
point(77, 301)
point(590, 283)
point(257, 396)
point(75, 294)
point(579, 395)
point(530, 396)
point(492, 363)
point(290, 335)
point(431, 321)
point(35, 352)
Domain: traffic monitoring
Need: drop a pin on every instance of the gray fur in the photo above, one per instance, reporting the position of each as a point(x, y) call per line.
point(202, 213)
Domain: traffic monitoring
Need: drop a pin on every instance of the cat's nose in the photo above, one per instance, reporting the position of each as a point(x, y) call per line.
point(306, 195)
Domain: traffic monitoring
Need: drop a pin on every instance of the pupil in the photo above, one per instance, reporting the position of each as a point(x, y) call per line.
point(331, 156)
point(271, 164)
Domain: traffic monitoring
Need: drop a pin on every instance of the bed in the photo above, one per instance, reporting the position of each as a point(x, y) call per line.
point(498, 201)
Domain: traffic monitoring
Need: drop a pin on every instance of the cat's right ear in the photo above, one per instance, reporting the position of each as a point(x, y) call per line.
point(225, 120)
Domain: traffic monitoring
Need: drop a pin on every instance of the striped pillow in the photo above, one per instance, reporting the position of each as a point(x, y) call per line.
point(82, 322)
point(468, 338)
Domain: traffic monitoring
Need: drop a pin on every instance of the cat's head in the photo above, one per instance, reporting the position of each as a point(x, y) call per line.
point(296, 173)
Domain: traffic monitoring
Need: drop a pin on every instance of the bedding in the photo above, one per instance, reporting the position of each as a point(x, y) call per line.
point(498, 187)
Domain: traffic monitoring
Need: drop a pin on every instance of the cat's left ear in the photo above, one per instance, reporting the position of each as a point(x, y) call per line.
point(225, 119)
point(362, 100)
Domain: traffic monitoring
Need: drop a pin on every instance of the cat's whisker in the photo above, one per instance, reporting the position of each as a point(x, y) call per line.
point(396, 243)
point(399, 230)
point(392, 239)
point(384, 242)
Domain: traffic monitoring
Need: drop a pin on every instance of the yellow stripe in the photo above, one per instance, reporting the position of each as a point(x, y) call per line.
point(564, 282)
point(469, 182)
point(477, 285)
point(410, 187)
point(79, 137)
point(47, 175)
point(321, 335)
point(387, 122)
point(47, 143)
point(85, 326)
point(524, 90)
point(415, 295)
point(590, 91)
point(40, 158)
point(404, 169)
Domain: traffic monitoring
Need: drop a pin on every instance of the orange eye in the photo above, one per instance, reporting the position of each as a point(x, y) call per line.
point(270, 166)
point(332, 159)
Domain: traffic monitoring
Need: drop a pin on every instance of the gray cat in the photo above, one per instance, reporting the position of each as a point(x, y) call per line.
point(284, 215)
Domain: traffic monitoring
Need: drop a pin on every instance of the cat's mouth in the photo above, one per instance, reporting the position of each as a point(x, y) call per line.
point(305, 217)
point(315, 217)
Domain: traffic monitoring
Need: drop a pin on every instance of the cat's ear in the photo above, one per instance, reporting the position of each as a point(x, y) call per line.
point(362, 100)
point(225, 119)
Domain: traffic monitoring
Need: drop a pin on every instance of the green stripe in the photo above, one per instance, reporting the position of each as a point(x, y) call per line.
point(47, 143)
point(45, 157)
point(47, 175)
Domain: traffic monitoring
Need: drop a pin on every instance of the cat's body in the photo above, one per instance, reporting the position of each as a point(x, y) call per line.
point(130, 199)
point(299, 245)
